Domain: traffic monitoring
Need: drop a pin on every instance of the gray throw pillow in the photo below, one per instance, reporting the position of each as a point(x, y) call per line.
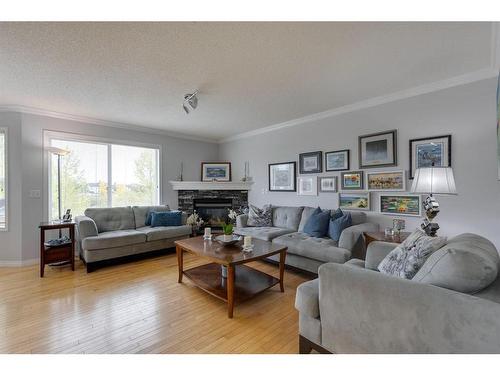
point(406, 259)
point(260, 217)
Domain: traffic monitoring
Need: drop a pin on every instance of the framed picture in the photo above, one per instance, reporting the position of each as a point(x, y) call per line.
point(307, 186)
point(328, 184)
point(407, 205)
point(282, 176)
point(311, 162)
point(425, 151)
point(218, 171)
point(378, 150)
point(354, 201)
point(337, 160)
point(352, 180)
point(383, 181)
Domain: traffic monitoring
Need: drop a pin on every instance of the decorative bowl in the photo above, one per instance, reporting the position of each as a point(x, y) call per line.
point(228, 240)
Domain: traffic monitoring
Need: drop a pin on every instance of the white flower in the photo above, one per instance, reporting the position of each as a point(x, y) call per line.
point(194, 220)
point(232, 214)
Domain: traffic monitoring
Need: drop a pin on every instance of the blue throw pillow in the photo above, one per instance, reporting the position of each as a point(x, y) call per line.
point(338, 225)
point(317, 224)
point(149, 218)
point(338, 213)
point(166, 219)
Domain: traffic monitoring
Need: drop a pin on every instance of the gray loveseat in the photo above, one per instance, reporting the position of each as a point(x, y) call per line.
point(452, 305)
point(306, 252)
point(109, 233)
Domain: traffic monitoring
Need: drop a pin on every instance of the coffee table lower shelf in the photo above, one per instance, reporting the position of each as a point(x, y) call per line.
point(247, 281)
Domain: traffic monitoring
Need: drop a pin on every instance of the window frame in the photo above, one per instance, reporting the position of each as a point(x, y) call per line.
point(5, 132)
point(74, 137)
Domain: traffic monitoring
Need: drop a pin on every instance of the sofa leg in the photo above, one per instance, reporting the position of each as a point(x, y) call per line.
point(304, 345)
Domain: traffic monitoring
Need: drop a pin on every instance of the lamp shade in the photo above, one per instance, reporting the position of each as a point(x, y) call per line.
point(434, 180)
point(58, 151)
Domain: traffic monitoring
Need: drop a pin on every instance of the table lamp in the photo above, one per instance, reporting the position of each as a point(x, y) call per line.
point(433, 180)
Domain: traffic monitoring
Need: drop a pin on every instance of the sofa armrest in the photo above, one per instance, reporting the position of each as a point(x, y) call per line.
point(184, 217)
point(306, 298)
point(376, 252)
point(241, 221)
point(363, 311)
point(86, 227)
point(352, 238)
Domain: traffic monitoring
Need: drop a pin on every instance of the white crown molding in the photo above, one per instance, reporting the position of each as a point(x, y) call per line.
point(94, 121)
point(18, 263)
point(372, 102)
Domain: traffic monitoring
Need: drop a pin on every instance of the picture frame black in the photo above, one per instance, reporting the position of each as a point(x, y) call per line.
point(348, 159)
point(360, 178)
point(293, 164)
point(391, 151)
point(318, 155)
point(413, 156)
point(216, 165)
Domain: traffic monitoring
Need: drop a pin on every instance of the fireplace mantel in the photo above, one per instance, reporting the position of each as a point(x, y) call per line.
point(201, 185)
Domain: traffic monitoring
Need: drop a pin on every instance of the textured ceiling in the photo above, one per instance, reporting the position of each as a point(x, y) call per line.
point(250, 75)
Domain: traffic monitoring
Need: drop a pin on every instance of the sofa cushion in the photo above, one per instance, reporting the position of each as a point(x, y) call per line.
point(260, 217)
point(262, 233)
point(306, 213)
point(116, 238)
point(287, 217)
point(408, 257)
point(307, 298)
point(321, 249)
point(141, 213)
point(161, 233)
point(357, 217)
point(166, 219)
point(337, 225)
point(317, 224)
point(468, 263)
point(111, 219)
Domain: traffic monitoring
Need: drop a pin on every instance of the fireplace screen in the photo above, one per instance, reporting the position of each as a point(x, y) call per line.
point(213, 211)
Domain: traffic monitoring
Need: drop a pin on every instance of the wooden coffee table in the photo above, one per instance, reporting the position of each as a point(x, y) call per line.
point(242, 282)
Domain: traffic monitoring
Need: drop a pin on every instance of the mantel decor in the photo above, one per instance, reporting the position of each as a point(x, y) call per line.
point(216, 171)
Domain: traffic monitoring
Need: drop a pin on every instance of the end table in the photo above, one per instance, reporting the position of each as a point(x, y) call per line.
point(55, 254)
point(381, 236)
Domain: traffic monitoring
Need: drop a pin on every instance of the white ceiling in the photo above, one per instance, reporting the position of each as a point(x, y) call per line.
point(250, 75)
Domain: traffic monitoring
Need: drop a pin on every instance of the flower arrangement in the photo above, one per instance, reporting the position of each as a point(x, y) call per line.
point(194, 220)
point(227, 228)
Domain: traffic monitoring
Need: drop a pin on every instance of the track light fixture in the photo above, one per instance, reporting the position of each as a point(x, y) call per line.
point(190, 102)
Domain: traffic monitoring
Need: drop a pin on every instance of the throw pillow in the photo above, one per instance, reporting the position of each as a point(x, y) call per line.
point(317, 224)
point(166, 219)
point(260, 217)
point(337, 213)
point(149, 218)
point(337, 225)
point(409, 256)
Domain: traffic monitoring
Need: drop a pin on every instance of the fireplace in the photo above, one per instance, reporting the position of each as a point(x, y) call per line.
point(213, 211)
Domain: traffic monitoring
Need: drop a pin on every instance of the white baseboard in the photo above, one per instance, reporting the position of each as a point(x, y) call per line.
point(18, 263)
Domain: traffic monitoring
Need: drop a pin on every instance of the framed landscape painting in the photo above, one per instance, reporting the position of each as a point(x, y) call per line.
point(337, 160)
point(378, 149)
point(282, 176)
point(216, 171)
point(307, 185)
point(354, 201)
point(383, 181)
point(407, 205)
point(328, 184)
point(311, 162)
point(425, 151)
point(352, 180)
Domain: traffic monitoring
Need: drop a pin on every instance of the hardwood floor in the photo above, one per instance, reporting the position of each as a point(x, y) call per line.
point(139, 308)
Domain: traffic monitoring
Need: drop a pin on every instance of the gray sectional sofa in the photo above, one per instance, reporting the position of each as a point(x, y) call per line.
point(109, 233)
point(306, 252)
point(452, 304)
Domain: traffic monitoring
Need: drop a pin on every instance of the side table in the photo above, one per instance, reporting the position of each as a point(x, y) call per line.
point(381, 236)
point(55, 254)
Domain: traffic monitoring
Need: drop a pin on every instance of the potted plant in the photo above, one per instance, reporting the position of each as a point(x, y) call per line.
point(195, 221)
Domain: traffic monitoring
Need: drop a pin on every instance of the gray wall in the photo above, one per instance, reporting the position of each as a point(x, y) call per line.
point(467, 112)
point(26, 172)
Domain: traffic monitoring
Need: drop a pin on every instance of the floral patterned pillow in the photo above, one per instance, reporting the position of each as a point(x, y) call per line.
point(260, 217)
point(407, 259)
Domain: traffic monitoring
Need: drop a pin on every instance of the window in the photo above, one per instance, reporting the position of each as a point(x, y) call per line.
point(3, 179)
point(103, 175)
